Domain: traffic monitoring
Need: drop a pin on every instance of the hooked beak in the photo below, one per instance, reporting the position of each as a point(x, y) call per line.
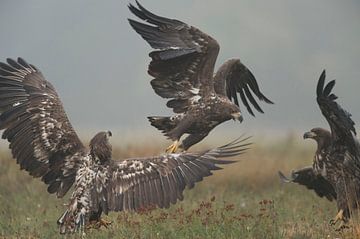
point(109, 134)
point(310, 135)
point(237, 116)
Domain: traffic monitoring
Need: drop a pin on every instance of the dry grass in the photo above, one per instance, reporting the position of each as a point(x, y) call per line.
point(245, 200)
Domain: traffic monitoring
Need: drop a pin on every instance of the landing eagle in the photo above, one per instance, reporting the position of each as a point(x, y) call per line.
point(44, 143)
point(335, 172)
point(183, 69)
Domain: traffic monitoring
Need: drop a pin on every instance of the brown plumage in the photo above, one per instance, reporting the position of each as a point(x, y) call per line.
point(34, 122)
point(335, 172)
point(44, 143)
point(100, 147)
point(183, 69)
point(137, 183)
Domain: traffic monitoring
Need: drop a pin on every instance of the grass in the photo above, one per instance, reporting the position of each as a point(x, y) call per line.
point(245, 200)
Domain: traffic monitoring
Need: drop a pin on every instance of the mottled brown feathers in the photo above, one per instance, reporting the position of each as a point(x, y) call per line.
point(41, 137)
point(160, 181)
point(182, 65)
point(335, 172)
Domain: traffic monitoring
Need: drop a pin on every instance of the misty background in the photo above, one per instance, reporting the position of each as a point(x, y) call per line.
point(98, 64)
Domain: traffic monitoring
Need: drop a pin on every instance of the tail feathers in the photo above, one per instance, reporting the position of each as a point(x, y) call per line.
point(164, 124)
point(64, 224)
point(72, 221)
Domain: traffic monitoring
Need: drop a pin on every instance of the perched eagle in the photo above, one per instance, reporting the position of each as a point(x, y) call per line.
point(183, 69)
point(335, 173)
point(45, 144)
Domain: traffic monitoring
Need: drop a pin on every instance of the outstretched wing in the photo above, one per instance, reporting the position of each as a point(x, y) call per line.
point(41, 137)
point(341, 124)
point(232, 78)
point(183, 63)
point(143, 182)
point(307, 177)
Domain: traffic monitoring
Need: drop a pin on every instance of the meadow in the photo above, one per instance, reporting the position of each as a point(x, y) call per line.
point(245, 200)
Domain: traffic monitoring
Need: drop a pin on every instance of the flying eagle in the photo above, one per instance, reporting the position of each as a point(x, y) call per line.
point(335, 173)
point(183, 69)
point(45, 144)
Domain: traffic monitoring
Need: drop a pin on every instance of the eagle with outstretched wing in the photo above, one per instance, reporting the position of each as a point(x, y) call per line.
point(183, 69)
point(44, 143)
point(335, 173)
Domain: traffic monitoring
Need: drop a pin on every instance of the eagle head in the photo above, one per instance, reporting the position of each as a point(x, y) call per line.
point(317, 133)
point(320, 135)
point(100, 147)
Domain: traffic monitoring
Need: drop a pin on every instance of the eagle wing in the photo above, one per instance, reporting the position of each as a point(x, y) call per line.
point(310, 180)
point(34, 122)
point(232, 78)
point(184, 59)
point(342, 127)
point(139, 183)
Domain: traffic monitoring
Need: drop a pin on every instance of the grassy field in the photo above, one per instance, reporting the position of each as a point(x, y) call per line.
point(245, 200)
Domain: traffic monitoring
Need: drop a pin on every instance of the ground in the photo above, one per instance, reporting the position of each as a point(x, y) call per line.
point(245, 200)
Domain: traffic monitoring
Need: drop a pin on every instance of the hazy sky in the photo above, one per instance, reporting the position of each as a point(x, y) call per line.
point(98, 64)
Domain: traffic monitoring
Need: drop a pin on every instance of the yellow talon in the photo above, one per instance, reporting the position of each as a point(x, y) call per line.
point(172, 148)
point(338, 217)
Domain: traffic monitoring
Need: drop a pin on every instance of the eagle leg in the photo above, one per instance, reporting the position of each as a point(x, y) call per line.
point(339, 217)
point(173, 147)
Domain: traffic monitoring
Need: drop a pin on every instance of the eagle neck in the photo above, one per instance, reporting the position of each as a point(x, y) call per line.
point(323, 143)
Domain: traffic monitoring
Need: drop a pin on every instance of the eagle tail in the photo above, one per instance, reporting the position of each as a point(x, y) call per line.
point(75, 217)
point(70, 222)
point(164, 124)
point(62, 222)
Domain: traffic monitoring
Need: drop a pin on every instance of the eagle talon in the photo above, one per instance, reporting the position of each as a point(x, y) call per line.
point(342, 227)
point(172, 148)
point(332, 222)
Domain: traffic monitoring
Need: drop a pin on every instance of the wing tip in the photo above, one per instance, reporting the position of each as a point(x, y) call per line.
point(320, 84)
point(283, 178)
point(325, 90)
point(234, 148)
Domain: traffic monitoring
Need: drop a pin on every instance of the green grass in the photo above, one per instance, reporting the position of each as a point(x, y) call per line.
point(245, 200)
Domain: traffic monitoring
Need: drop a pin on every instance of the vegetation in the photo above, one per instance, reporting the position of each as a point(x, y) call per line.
point(245, 200)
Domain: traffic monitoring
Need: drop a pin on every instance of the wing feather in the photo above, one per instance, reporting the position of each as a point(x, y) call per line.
point(160, 181)
point(342, 126)
point(41, 137)
point(312, 181)
point(234, 77)
point(184, 57)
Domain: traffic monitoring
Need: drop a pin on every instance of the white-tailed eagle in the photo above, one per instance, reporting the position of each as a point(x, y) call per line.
point(335, 173)
point(45, 144)
point(183, 69)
